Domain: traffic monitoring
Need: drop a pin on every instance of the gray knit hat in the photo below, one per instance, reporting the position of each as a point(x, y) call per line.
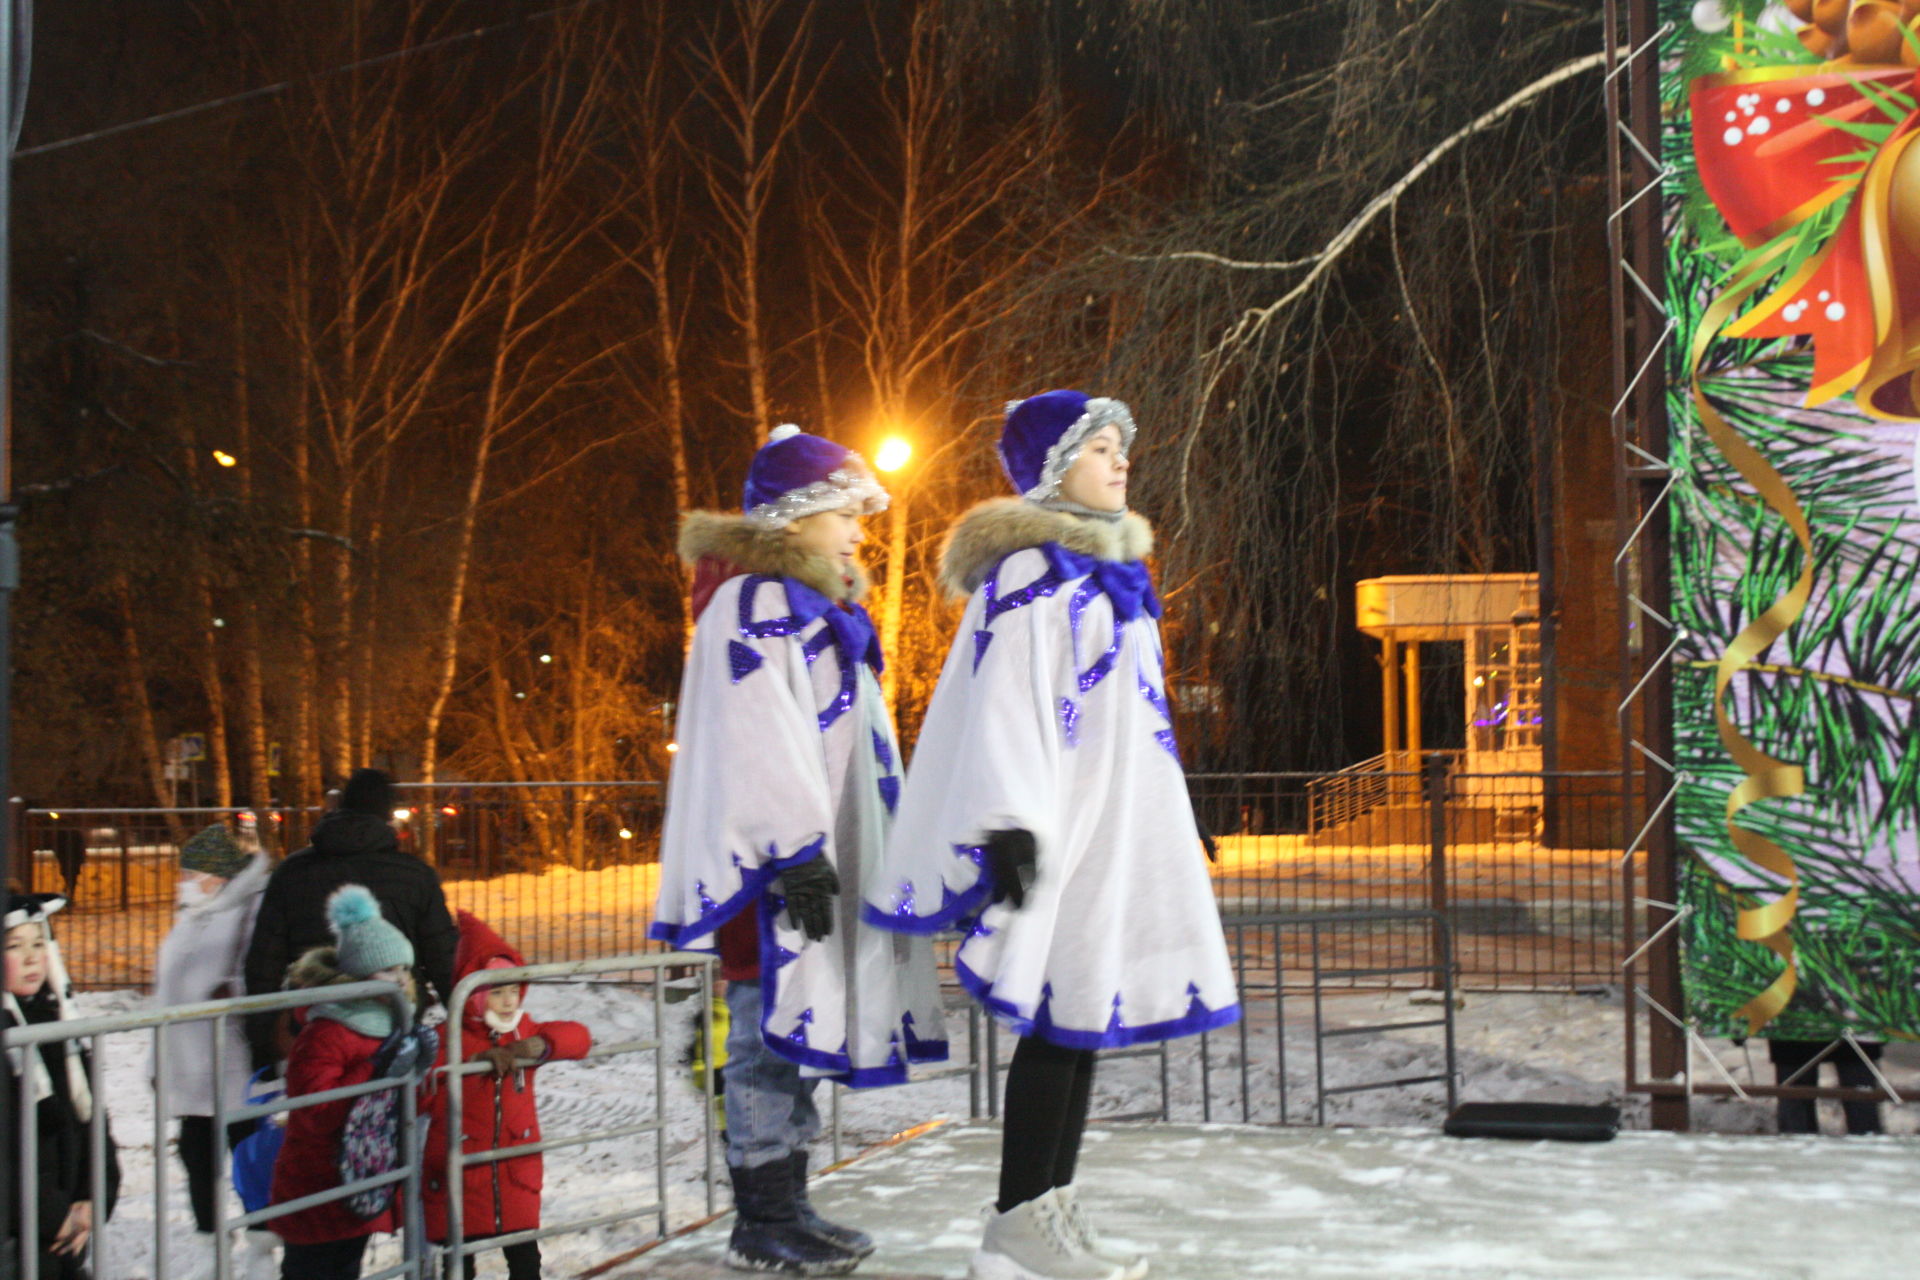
point(368, 943)
point(214, 851)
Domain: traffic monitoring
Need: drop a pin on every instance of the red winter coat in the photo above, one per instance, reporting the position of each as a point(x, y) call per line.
point(496, 1111)
point(327, 1055)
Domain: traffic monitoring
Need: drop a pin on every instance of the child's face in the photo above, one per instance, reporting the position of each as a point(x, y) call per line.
point(401, 976)
point(833, 534)
point(197, 886)
point(1098, 477)
point(26, 960)
point(503, 1001)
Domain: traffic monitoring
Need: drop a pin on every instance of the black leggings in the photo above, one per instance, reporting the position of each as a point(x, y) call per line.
point(199, 1157)
point(1048, 1092)
point(523, 1260)
point(1797, 1115)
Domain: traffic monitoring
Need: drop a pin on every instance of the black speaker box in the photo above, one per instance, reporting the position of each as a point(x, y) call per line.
point(1560, 1121)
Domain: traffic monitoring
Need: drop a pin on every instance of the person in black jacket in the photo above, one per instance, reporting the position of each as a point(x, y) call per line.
point(36, 991)
point(353, 844)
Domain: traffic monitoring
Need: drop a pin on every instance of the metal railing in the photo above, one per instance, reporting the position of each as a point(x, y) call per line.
point(457, 1246)
point(1339, 798)
point(29, 1039)
point(1267, 946)
point(419, 1257)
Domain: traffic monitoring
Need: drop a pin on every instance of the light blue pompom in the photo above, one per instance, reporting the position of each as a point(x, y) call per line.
point(349, 905)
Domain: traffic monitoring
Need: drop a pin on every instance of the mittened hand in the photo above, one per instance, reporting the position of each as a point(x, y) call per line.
point(1012, 861)
point(810, 889)
point(504, 1058)
point(501, 1057)
point(1207, 841)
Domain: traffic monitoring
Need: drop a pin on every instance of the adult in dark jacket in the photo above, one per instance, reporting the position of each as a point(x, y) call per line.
point(353, 844)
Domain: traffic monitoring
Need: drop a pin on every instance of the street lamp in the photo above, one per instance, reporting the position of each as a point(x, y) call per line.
point(892, 457)
point(894, 454)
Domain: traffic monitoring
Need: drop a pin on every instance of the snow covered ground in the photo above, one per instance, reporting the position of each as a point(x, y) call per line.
point(1240, 1203)
point(1510, 1046)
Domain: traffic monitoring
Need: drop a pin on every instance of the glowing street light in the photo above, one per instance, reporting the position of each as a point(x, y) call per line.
point(224, 458)
point(894, 454)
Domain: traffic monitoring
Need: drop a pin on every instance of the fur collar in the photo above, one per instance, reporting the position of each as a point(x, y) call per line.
point(767, 551)
point(996, 529)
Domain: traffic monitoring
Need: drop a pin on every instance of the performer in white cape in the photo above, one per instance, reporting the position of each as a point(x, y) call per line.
point(786, 772)
point(1046, 815)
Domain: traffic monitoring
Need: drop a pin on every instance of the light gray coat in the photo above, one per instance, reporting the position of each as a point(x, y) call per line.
point(204, 958)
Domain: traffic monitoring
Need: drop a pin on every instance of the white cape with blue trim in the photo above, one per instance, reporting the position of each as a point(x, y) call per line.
point(786, 753)
point(1050, 715)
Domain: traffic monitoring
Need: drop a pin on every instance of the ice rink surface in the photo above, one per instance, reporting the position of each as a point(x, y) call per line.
point(1221, 1202)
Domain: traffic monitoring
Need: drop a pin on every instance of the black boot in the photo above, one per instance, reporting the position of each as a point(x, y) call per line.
point(858, 1243)
point(767, 1232)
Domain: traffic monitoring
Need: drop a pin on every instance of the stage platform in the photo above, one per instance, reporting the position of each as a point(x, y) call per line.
point(1219, 1202)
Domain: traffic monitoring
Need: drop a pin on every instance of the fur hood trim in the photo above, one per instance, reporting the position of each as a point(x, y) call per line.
point(996, 529)
point(731, 538)
point(319, 967)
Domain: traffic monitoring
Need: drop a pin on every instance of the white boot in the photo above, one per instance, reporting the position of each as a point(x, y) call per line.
point(256, 1260)
point(1080, 1231)
point(1031, 1242)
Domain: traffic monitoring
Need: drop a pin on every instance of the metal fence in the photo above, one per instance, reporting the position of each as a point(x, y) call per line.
point(419, 1257)
point(1523, 866)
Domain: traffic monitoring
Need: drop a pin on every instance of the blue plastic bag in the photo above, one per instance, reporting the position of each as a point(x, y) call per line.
point(253, 1155)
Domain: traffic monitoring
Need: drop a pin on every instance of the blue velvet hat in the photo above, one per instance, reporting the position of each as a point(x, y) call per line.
point(1044, 434)
point(797, 475)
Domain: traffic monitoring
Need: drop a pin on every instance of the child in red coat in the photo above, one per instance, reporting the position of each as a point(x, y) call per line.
point(335, 1049)
point(498, 1108)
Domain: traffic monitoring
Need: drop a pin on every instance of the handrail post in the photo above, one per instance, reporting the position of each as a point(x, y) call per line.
point(1436, 789)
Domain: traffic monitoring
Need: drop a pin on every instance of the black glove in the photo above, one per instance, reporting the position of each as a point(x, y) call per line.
point(1207, 841)
point(1012, 859)
point(810, 889)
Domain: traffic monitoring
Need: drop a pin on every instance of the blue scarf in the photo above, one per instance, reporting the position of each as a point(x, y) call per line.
point(853, 633)
point(1125, 582)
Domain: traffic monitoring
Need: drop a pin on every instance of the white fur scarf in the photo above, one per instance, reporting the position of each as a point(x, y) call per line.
point(19, 1059)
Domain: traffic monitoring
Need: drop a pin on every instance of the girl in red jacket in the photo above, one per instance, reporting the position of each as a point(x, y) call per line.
point(335, 1049)
point(497, 1109)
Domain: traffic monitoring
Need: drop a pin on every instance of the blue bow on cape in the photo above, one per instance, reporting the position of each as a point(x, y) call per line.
point(1125, 582)
point(853, 633)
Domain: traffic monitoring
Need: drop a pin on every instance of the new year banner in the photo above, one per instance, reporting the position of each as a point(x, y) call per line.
point(1793, 271)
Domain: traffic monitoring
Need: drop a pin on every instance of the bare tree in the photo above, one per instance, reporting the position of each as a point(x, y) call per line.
point(757, 77)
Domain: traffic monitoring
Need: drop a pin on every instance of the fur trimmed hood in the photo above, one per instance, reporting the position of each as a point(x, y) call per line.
point(729, 537)
point(995, 529)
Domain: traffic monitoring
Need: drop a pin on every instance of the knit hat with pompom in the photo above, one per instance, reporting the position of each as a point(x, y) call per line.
point(368, 943)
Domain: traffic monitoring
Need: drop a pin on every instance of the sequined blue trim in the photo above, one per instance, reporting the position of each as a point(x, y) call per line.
point(689, 935)
point(836, 1062)
point(817, 644)
point(1165, 738)
point(1155, 698)
point(956, 910)
point(981, 639)
point(742, 661)
point(1076, 607)
point(1197, 1019)
point(883, 750)
point(1070, 721)
point(890, 792)
point(1104, 666)
point(849, 682)
point(1039, 589)
point(771, 627)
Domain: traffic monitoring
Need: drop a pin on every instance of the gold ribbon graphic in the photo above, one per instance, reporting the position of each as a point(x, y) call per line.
point(1767, 778)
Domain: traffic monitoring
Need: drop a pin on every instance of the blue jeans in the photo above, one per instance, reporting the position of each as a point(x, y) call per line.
point(770, 1111)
